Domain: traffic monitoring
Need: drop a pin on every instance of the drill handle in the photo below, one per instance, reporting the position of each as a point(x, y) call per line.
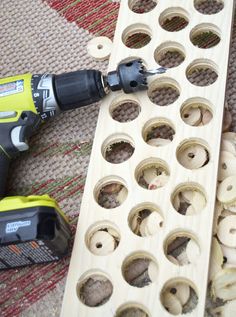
point(4, 166)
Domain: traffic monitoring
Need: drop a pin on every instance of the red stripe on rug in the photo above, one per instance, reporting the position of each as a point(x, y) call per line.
point(96, 16)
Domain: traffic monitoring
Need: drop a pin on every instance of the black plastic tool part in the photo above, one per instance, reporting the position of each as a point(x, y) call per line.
point(4, 166)
point(78, 89)
point(43, 225)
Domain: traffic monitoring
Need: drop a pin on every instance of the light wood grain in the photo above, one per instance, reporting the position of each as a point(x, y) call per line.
point(199, 225)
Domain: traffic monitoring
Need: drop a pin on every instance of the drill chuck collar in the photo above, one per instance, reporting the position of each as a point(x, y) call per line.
point(52, 93)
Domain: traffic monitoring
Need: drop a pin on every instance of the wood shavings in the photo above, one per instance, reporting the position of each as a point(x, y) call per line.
point(196, 115)
point(224, 284)
point(158, 181)
point(206, 116)
point(122, 195)
point(155, 177)
point(189, 202)
point(181, 291)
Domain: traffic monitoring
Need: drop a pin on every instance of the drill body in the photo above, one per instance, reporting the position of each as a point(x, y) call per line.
point(25, 102)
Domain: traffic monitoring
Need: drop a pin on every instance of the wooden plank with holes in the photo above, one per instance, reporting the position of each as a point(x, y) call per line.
point(143, 240)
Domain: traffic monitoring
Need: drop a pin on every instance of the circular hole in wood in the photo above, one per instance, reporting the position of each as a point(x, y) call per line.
point(202, 73)
point(132, 310)
point(179, 296)
point(196, 112)
point(102, 238)
point(169, 54)
point(110, 192)
point(136, 36)
point(189, 199)
point(163, 91)
point(142, 6)
point(193, 154)
point(152, 174)
point(146, 220)
point(205, 35)
point(158, 132)
point(208, 6)
point(182, 248)
point(117, 148)
point(174, 19)
point(125, 110)
point(140, 270)
point(94, 289)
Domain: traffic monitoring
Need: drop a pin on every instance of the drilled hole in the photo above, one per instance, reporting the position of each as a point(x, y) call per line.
point(102, 239)
point(183, 301)
point(174, 19)
point(188, 199)
point(142, 6)
point(205, 36)
point(94, 289)
point(131, 310)
point(146, 220)
point(158, 132)
point(136, 36)
point(163, 92)
point(229, 188)
point(140, 270)
point(202, 73)
point(117, 149)
point(152, 174)
point(196, 112)
point(169, 55)
point(125, 111)
point(193, 154)
point(182, 249)
point(208, 6)
point(100, 46)
point(110, 194)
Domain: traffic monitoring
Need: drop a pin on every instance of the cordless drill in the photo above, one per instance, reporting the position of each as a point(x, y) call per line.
point(33, 229)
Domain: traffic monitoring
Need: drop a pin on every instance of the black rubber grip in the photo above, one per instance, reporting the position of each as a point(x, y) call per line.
point(78, 89)
point(4, 166)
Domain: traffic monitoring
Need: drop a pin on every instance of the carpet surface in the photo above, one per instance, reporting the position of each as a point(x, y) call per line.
point(52, 35)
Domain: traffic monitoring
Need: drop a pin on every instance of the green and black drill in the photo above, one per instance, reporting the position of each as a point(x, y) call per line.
point(33, 229)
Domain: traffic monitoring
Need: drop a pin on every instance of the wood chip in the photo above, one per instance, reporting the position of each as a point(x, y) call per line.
point(216, 260)
point(172, 303)
point(190, 211)
point(193, 157)
point(172, 259)
point(227, 165)
point(228, 146)
point(192, 251)
point(217, 213)
point(183, 258)
point(181, 291)
point(122, 195)
point(227, 121)
point(158, 182)
point(102, 243)
point(149, 174)
point(224, 284)
point(151, 224)
point(176, 202)
point(192, 116)
point(198, 202)
point(227, 310)
point(226, 192)
point(152, 271)
point(227, 231)
point(206, 116)
point(158, 142)
point(229, 254)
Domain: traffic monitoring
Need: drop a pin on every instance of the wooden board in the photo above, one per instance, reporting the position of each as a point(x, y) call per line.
point(203, 179)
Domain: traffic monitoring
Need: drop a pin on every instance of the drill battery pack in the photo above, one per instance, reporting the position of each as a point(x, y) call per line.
point(32, 230)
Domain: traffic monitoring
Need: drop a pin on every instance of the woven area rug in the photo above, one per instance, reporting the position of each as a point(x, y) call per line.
point(52, 35)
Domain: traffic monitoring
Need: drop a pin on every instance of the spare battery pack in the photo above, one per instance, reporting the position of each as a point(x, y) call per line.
point(32, 235)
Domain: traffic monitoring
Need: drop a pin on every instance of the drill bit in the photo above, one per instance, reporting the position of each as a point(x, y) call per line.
point(157, 71)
